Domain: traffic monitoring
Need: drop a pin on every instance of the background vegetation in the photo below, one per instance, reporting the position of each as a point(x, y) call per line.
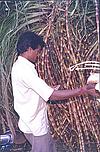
point(71, 31)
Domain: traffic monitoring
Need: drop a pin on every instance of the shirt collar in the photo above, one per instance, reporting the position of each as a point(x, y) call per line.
point(20, 58)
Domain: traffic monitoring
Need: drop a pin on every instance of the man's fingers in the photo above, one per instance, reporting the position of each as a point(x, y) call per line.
point(91, 86)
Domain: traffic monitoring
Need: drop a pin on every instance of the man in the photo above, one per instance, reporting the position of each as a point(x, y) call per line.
point(31, 94)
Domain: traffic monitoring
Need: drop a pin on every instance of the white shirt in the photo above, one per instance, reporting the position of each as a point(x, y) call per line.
point(30, 93)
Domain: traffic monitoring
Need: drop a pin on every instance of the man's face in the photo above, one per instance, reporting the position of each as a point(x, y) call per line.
point(35, 53)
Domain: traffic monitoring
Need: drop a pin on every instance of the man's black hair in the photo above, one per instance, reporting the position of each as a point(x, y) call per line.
point(29, 39)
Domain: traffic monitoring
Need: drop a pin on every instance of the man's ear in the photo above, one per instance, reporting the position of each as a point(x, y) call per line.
point(39, 48)
point(30, 50)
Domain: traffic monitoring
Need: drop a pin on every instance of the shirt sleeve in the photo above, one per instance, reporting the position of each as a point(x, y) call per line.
point(32, 81)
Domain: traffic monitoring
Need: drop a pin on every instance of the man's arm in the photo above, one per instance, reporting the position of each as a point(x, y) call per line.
point(65, 94)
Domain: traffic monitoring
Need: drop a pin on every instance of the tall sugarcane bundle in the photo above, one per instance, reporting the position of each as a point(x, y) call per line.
point(71, 32)
point(75, 121)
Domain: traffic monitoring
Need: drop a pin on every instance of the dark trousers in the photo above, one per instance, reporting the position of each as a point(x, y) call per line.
point(43, 143)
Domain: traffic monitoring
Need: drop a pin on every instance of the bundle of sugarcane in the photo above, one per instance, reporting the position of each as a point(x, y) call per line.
point(75, 121)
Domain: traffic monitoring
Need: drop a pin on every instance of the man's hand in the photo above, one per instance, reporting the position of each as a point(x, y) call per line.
point(90, 86)
point(94, 78)
point(91, 89)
